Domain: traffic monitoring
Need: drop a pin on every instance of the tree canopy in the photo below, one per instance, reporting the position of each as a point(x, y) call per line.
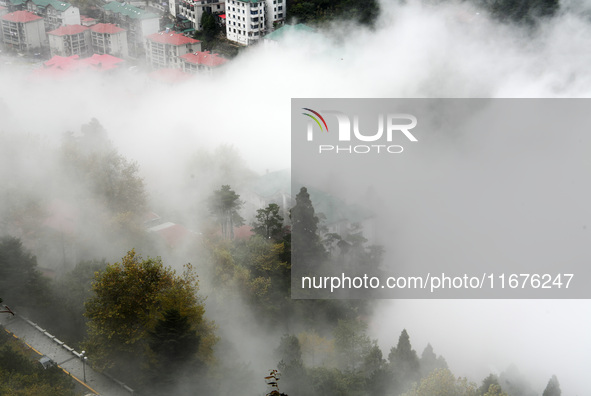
point(137, 301)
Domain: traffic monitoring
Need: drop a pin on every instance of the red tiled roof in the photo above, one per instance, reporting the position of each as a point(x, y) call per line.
point(175, 235)
point(171, 38)
point(73, 63)
point(68, 30)
point(103, 62)
point(106, 28)
point(204, 58)
point(21, 17)
point(62, 62)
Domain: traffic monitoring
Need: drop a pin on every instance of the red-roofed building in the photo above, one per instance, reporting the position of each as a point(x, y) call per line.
point(103, 62)
point(108, 38)
point(87, 21)
point(174, 235)
point(201, 61)
point(23, 31)
point(60, 66)
point(164, 49)
point(70, 40)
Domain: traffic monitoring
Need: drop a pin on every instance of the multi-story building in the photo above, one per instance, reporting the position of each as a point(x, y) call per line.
point(56, 13)
point(193, 9)
point(138, 23)
point(107, 38)
point(276, 11)
point(201, 61)
point(164, 49)
point(23, 31)
point(246, 20)
point(70, 40)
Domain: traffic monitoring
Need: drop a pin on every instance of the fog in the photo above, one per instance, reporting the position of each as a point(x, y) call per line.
point(415, 50)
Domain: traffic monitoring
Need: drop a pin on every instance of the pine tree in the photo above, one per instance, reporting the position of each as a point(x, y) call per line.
point(225, 204)
point(307, 248)
point(404, 362)
point(269, 223)
point(553, 387)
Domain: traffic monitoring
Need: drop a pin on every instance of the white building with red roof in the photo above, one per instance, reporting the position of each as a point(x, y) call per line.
point(23, 31)
point(163, 50)
point(108, 38)
point(201, 61)
point(70, 40)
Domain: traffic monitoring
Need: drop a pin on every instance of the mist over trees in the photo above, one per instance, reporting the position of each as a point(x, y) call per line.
point(168, 327)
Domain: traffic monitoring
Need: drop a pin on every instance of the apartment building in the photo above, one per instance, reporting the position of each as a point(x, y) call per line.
point(245, 20)
point(138, 23)
point(23, 31)
point(70, 40)
point(193, 9)
point(55, 13)
point(164, 49)
point(276, 12)
point(107, 38)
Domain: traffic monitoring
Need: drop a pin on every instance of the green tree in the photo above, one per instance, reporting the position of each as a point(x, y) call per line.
point(494, 390)
point(130, 299)
point(22, 284)
point(174, 343)
point(553, 387)
point(351, 343)
point(209, 27)
point(404, 361)
point(269, 223)
point(430, 361)
point(490, 380)
point(307, 248)
point(224, 204)
point(442, 382)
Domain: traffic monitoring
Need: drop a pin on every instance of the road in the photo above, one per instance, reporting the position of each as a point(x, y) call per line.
point(68, 359)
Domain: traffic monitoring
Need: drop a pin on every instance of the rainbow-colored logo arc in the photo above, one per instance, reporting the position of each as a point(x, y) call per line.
point(316, 119)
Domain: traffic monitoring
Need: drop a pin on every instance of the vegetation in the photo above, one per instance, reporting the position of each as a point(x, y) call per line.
point(316, 11)
point(138, 307)
point(22, 375)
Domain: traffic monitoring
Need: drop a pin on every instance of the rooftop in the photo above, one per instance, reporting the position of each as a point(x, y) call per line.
point(287, 29)
point(68, 30)
point(204, 58)
point(106, 28)
point(171, 38)
point(21, 17)
point(58, 5)
point(128, 10)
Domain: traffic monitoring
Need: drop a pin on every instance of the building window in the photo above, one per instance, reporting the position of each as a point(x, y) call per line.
point(280, 8)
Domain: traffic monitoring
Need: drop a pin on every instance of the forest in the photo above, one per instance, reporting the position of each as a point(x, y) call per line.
point(81, 255)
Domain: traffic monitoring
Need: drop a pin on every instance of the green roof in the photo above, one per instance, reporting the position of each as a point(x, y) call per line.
point(58, 5)
point(285, 29)
point(251, 1)
point(128, 10)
